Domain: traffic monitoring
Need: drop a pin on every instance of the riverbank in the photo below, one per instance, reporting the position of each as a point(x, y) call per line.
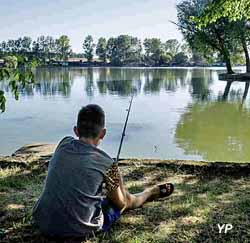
point(133, 65)
point(206, 194)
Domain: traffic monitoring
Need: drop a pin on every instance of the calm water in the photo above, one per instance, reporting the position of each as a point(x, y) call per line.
point(176, 114)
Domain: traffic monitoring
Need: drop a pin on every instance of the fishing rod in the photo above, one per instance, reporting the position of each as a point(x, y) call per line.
point(124, 129)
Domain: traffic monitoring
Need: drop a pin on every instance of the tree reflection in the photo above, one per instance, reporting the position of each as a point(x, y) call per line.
point(200, 82)
point(153, 85)
point(51, 82)
point(118, 87)
point(89, 85)
point(234, 94)
point(121, 81)
point(164, 79)
point(219, 131)
point(48, 82)
point(226, 91)
point(245, 91)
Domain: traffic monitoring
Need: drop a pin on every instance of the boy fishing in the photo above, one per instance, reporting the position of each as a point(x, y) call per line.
point(73, 203)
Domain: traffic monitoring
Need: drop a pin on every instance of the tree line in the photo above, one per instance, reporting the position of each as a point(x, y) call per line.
point(123, 50)
point(43, 49)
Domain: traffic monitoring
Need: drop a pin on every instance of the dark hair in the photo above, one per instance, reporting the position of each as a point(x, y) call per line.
point(90, 121)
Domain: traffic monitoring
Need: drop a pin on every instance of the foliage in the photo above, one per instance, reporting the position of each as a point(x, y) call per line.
point(124, 49)
point(180, 59)
point(236, 14)
point(63, 47)
point(45, 47)
point(215, 38)
point(172, 47)
point(101, 49)
point(217, 9)
point(42, 49)
point(88, 47)
point(18, 79)
point(154, 50)
point(118, 51)
point(20, 45)
point(10, 62)
point(111, 49)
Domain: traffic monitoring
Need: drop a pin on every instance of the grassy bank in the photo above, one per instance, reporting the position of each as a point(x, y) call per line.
point(206, 195)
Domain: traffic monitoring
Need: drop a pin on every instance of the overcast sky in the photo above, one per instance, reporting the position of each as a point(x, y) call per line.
point(78, 18)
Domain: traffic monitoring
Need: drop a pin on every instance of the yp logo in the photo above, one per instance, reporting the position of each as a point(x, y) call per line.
point(224, 228)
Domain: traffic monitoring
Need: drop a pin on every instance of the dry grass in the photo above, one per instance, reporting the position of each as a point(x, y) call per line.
point(202, 200)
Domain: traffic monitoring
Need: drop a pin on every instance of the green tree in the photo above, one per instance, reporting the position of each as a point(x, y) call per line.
point(172, 47)
point(111, 50)
point(25, 45)
point(154, 50)
point(214, 38)
point(42, 48)
point(242, 33)
point(101, 49)
point(134, 53)
point(219, 9)
point(63, 47)
point(50, 50)
point(36, 49)
point(11, 46)
point(238, 13)
point(88, 48)
point(124, 49)
point(180, 59)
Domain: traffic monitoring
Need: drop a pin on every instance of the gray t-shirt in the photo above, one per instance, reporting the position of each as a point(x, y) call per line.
point(70, 204)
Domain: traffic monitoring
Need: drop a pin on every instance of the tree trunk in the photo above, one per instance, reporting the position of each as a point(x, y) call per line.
point(225, 52)
point(244, 45)
point(227, 89)
point(228, 64)
point(246, 91)
point(227, 59)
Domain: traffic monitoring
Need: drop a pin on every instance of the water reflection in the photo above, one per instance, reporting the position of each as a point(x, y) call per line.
point(160, 79)
point(200, 84)
point(218, 131)
point(118, 81)
point(235, 94)
point(49, 82)
point(119, 87)
point(188, 112)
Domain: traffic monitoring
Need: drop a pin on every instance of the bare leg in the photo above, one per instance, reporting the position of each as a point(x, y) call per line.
point(124, 200)
point(137, 200)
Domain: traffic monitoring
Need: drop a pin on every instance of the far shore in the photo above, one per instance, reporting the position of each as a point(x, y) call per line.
point(97, 65)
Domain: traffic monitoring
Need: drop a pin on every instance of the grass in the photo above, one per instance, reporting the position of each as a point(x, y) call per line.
point(203, 198)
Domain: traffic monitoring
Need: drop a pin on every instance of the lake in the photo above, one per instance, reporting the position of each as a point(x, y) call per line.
point(177, 113)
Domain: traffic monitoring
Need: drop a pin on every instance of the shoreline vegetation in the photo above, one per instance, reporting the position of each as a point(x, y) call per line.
point(120, 51)
point(206, 194)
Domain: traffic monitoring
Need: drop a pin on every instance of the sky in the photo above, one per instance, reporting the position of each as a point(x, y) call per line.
point(79, 18)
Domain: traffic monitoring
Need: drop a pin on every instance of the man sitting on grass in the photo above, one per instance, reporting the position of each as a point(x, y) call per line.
point(72, 203)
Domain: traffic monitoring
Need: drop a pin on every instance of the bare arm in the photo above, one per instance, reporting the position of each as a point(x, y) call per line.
point(120, 197)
